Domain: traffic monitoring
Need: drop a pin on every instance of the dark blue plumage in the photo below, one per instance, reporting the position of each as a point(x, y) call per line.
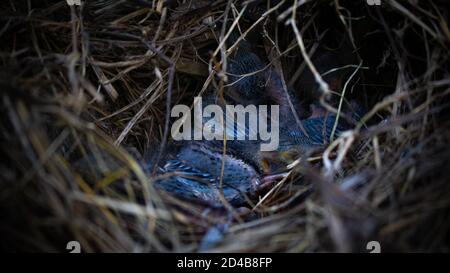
point(246, 74)
point(318, 132)
point(197, 175)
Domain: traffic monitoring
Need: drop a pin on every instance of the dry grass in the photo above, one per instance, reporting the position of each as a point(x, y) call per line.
point(101, 78)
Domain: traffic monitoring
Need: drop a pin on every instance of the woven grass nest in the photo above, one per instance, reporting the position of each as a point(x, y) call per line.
point(100, 79)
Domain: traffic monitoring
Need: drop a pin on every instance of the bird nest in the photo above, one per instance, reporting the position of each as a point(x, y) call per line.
point(100, 79)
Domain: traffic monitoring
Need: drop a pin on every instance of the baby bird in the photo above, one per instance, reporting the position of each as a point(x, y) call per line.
point(202, 172)
point(197, 175)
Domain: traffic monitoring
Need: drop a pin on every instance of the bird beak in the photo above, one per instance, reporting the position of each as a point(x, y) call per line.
point(269, 180)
